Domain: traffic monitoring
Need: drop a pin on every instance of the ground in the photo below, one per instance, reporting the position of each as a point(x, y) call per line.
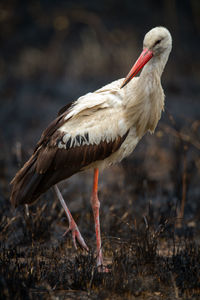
point(150, 251)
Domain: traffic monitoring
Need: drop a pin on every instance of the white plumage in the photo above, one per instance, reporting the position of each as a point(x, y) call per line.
point(97, 130)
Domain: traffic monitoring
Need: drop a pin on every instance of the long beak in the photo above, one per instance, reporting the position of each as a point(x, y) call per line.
point(144, 57)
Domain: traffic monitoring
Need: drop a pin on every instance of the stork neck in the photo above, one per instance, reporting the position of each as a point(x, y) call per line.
point(144, 106)
point(154, 67)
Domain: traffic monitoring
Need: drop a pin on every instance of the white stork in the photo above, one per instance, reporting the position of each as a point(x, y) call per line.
point(96, 131)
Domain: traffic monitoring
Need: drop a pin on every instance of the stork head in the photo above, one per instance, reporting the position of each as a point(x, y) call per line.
point(158, 40)
point(157, 44)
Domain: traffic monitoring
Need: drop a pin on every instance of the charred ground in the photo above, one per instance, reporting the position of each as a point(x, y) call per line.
point(151, 252)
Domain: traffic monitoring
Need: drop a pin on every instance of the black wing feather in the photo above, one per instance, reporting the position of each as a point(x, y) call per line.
point(49, 164)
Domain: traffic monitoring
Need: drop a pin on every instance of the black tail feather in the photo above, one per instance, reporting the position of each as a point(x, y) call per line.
point(28, 184)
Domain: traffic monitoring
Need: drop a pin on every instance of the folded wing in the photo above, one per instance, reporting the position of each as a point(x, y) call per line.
point(74, 140)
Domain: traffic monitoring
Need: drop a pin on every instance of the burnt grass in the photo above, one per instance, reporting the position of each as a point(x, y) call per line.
point(150, 250)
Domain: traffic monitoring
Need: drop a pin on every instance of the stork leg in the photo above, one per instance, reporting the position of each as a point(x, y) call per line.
point(95, 207)
point(76, 235)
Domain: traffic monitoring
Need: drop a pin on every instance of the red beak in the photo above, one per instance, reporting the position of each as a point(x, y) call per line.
point(144, 57)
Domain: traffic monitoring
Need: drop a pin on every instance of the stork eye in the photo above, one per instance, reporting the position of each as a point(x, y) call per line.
point(157, 42)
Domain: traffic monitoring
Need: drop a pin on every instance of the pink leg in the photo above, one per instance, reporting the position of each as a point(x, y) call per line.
point(95, 207)
point(76, 235)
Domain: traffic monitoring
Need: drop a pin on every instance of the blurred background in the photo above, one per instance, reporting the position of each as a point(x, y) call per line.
point(52, 52)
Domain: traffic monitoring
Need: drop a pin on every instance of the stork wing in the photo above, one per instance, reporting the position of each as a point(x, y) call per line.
point(77, 142)
point(85, 133)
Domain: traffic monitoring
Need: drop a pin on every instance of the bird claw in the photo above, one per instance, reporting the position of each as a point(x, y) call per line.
point(103, 269)
point(76, 236)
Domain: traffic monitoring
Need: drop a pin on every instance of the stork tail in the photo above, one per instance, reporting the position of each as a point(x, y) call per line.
point(25, 183)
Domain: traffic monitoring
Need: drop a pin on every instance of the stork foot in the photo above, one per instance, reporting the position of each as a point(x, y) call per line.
point(103, 269)
point(100, 264)
point(76, 235)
